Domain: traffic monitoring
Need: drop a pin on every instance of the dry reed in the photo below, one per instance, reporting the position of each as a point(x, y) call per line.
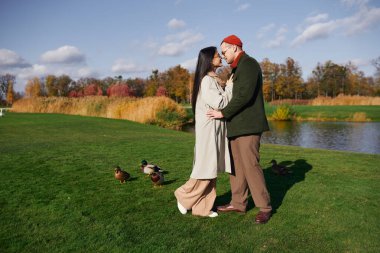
point(143, 110)
point(290, 102)
point(346, 100)
point(339, 100)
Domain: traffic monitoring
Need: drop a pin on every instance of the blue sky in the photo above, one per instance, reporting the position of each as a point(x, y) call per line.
point(100, 38)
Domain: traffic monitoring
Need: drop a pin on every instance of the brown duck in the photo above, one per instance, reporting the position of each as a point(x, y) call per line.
point(157, 178)
point(121, 175)
point(279, 169)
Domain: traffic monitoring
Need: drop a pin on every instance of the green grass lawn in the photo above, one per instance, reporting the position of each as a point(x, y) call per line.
point(336, 112)
point(58, 193)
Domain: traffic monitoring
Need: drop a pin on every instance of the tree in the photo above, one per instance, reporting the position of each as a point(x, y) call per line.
point(137, 86)
point(153, 83)
point(63, 83)
point(289, 83)
point(10, 93)
point(33, 88)
point(330, 79)
point(176, 83)
point(376, 64)
point(51, 83)
point(4, 83)
point(92, 90)
point(161, 91)
point(105, 83)
point(271, 73)
point(119, 90)
point(76, 94)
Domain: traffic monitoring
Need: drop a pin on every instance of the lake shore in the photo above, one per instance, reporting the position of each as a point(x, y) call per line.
point(348, 113)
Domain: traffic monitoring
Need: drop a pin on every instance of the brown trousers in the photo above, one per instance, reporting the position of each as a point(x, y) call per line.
point(247, 174)
point(198, 195)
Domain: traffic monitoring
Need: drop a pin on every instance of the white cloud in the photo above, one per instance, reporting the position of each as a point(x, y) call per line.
point(190, 64)
point(265, 34)
point(150, 44)
point(179, 43)
point(361, 21)
point(265, 29)
point(315, 31)
point(66, 55)
point(87, 72)
point(317, 18)
point(36, 70)
point(171, 49)
point(365, 18)
point(39, 70)
point(242, 7)
point(361, 62)
point(176, 24)
point(10, 59)
point(24, 74)
point(121, 66)
point(351, 3)
point(279, 39)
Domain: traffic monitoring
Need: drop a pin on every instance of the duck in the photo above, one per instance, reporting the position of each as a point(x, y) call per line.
point(157, 178)
point(148, 168)
point(121, 175)
point(279, 169)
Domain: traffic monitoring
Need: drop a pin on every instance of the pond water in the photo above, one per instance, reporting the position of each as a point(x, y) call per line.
point(349, 136)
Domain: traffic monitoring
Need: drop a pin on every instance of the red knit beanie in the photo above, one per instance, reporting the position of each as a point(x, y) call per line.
point(233, 40)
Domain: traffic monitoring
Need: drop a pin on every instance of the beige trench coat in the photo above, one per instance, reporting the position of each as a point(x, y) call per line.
point(211, 152)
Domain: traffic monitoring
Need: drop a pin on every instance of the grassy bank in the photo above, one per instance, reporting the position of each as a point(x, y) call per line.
point(58, 194)
point(332, 113)
point(361, 113)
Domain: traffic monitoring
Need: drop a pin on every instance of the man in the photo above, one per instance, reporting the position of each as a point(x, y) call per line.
point(246, 121)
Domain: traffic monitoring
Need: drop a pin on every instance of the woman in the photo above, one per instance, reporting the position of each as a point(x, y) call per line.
point(211, 153)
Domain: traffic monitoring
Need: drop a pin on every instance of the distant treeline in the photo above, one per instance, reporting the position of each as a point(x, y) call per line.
point(281, 81)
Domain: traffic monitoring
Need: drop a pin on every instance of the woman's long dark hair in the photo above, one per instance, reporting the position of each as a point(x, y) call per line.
point(204, 65)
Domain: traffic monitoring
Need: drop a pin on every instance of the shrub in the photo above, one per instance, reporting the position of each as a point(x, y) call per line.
point(360, 117)
point(282, 112)
point(169, 118)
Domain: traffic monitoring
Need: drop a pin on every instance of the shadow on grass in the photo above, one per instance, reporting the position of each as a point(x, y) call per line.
point(277, 185)
point(169, 182)
point(132, 179)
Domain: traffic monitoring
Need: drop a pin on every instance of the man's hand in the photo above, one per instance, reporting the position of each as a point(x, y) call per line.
point(213, 114)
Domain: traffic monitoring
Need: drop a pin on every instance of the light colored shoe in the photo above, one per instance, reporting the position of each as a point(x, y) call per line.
point(213, 214)
point(181, 208)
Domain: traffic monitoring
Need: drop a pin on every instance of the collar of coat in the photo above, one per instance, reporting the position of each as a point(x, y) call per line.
point(236, 61)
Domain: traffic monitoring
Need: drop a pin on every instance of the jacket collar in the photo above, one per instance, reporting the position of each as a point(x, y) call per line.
point(236, 61)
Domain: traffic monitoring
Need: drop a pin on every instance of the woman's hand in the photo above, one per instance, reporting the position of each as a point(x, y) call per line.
point(229, 81)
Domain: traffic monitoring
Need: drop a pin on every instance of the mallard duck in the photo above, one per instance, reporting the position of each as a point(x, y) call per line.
point(279, 169)
point(157, 178)
point(148, 168)
point(121, 175)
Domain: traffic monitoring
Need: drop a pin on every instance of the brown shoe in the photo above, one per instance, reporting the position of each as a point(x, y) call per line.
point(229, 208)
point(262, 217)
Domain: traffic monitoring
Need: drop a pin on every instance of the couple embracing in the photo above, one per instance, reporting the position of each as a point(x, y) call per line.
point(228, 126)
